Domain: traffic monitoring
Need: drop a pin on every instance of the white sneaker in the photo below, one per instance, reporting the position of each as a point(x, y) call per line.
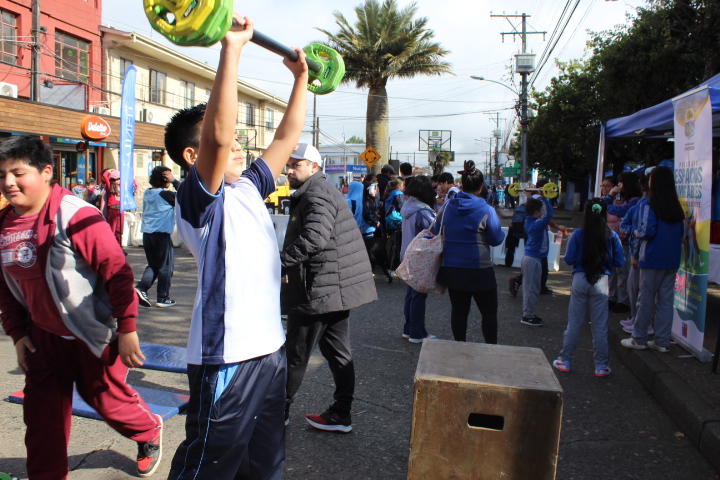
point(631, 328)
point(631, 343)
point(657, 347)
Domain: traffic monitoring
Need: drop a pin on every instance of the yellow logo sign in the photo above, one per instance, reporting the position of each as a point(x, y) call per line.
point(370, 157)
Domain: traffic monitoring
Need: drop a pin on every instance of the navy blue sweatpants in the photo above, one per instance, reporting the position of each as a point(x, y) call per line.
point(235, 426)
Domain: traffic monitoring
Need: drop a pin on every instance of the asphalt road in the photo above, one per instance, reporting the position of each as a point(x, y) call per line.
point(612, 427)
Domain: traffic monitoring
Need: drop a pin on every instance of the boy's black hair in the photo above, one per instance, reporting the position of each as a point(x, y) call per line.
point(388, 170)
point(434, 178)
point(533, 205)
point(541, 182)
point(405, 169)
point(28, 149)
point(421, 188)
point(631, 186)
point(157, 179)
point(182, 131)
point(446, 177)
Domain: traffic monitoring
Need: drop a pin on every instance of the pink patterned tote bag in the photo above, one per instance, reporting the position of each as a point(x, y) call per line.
point(421, 262)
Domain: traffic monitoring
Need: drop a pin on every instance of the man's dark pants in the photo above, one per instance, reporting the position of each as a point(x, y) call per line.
point(331, 331)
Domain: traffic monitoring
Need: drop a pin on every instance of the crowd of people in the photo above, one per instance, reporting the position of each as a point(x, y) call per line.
point(69, 300)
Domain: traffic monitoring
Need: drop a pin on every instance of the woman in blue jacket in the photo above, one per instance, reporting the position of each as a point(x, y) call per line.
point(660, 230)
point(471, 227)
point(593, 251)
point(417, 215)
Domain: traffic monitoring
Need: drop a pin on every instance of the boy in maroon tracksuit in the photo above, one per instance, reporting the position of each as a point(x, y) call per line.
point(67, 301)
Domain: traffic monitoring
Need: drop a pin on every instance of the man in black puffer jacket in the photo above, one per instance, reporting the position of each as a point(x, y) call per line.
point(326, 272)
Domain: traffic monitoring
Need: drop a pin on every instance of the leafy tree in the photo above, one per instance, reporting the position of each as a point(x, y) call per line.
point(665, 49)
point(385, 42)
point(355, 139)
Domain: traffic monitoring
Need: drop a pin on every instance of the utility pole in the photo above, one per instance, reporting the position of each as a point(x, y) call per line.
point(35, 58)
point(497, 134)
point(524, 121)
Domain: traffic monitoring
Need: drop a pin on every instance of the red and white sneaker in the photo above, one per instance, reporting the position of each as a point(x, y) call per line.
point(150, 453)
point(330, 421)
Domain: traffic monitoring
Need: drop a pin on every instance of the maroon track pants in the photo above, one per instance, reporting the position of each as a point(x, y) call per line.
point(47, 407)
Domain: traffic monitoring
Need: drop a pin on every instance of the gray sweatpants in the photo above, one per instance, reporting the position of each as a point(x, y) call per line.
point(584, 298)
point(656, 291)
point(531, 268)
point(633, 290)
point(619, 280)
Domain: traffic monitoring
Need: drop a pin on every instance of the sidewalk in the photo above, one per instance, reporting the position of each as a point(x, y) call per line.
point(686, 388)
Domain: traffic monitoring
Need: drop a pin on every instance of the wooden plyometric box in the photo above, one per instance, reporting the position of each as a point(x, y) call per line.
point(484, 412)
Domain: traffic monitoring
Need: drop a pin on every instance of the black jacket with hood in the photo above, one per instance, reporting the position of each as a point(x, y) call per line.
point(324, 256)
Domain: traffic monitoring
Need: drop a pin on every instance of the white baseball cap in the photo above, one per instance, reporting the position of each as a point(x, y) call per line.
point(304, 151)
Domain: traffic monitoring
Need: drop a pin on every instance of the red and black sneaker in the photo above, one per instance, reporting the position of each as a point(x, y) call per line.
point(150, 453)
point(330, 421)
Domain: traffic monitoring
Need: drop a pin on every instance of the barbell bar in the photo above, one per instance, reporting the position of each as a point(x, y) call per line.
point(550, 190)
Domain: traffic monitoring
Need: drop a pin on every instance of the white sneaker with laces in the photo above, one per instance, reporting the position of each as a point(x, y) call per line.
point(631, 343)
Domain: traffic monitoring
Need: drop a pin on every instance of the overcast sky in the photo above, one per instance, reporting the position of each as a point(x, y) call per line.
point(451, 102)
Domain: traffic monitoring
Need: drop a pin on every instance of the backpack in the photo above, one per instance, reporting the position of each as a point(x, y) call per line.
point(517, 225)
point(393, 219)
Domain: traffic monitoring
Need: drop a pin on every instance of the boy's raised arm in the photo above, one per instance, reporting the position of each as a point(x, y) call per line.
point(218, 129)
point(291, 125)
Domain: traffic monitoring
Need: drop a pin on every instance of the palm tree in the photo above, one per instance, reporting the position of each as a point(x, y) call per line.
point(441, 160)
point(384, 43)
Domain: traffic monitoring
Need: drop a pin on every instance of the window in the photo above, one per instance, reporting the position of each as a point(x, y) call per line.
point(187, 94)
point(269, 118)
point(158, 81)
point(72, 58)
point(250, 114)
point(207, 95)
point(124, 64)
point(8, 47)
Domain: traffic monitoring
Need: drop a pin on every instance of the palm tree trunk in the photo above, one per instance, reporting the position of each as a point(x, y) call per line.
point(376, 125)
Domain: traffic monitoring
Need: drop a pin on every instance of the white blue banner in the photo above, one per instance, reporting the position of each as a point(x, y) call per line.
point(693, 177)
point(127, 141)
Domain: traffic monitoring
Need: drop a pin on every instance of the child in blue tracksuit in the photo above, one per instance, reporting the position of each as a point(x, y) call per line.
point(593, 251)
point(660, 230)
point(628, 225)
point(536, 229)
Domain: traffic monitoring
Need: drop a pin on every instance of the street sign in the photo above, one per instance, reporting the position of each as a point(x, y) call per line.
point(370, 157)
point(510, 172)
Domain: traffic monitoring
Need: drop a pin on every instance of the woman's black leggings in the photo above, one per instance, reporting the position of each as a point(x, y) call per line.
point(487, 303)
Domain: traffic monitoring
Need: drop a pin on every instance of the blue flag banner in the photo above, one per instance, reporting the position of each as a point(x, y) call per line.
point(127, 141)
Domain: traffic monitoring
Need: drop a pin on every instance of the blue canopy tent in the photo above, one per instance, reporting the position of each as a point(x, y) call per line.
point(652, 122)
point(658, 122)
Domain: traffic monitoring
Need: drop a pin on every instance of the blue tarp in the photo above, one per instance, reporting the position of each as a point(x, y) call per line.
point(657, 121)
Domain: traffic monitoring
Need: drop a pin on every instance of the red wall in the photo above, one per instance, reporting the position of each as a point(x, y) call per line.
point(79, 18)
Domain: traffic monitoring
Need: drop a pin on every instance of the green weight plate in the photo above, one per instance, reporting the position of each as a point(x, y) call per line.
point(332, 73)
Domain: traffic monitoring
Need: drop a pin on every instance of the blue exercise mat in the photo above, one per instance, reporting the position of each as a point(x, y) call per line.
point(165, 404)
point(164, 358)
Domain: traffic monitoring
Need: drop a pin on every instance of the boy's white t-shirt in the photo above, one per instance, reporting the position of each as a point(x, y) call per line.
point(236, 315)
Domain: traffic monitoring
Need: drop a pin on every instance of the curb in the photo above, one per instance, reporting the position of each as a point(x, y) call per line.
point(695, 417)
